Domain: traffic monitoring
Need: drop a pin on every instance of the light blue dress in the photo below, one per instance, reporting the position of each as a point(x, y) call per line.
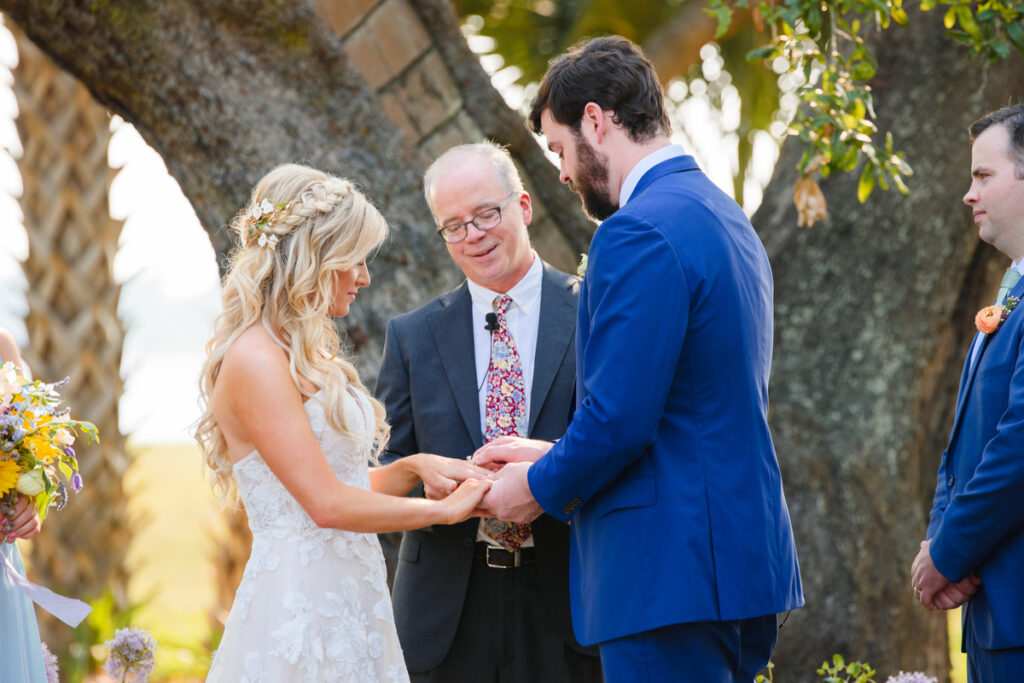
point(21, 655)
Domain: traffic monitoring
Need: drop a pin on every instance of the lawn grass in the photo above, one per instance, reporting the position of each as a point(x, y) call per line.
point(176, 525)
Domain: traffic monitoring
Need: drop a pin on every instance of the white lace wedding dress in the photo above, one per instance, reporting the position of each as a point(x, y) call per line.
point(313, 604)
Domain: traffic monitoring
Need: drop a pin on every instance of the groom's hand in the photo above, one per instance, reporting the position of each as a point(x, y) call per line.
point(510, 498)
point(505, 449)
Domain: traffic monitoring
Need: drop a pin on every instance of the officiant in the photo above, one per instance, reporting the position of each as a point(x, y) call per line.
point(484, 601)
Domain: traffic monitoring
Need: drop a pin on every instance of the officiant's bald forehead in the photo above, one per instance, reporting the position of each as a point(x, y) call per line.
point(505, 171)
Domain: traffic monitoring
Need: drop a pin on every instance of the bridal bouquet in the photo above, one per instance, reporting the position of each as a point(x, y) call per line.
point(36, 438)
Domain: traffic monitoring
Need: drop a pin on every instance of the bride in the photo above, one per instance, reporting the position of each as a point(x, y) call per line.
point(288, 426)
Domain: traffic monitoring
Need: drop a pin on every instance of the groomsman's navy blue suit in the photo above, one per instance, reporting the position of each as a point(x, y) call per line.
point(667, 471)
point(977, 518)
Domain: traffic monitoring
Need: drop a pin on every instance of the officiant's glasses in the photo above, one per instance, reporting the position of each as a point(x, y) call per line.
point(485, 220)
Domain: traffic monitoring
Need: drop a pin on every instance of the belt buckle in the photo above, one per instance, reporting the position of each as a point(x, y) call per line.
point(514, 553)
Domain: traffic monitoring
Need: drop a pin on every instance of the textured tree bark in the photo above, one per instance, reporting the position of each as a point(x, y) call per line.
point(874, 313)
point(72, 323)
point(225, 91)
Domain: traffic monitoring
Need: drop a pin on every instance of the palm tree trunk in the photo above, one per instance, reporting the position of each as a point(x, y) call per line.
point(72, 321)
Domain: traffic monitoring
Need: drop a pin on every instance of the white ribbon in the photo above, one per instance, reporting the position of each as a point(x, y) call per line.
point(68, 610)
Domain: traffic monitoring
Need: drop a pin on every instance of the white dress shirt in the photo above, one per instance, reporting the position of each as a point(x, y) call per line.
point(523, 320)
point(645, 165)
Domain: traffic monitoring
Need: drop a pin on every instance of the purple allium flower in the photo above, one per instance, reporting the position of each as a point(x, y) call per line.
point(76, 482)
point(50, 664)
point(131, 655)
point(911, 677)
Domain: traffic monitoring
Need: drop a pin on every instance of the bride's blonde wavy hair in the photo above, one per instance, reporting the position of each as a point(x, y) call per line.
point(323, 225)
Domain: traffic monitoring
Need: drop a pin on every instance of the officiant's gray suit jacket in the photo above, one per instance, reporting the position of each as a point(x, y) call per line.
point(428, 384)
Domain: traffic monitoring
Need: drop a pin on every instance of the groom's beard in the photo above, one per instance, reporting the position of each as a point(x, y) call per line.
point(591, 182)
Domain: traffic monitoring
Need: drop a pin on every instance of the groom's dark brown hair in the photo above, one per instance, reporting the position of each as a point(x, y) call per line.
point(614, 73)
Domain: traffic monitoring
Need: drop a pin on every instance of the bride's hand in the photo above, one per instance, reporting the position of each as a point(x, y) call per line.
point(24, 523)
point(464, 501)
point(442, 475)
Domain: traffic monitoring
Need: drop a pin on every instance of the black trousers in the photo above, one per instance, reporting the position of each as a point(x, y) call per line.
point(504, 635)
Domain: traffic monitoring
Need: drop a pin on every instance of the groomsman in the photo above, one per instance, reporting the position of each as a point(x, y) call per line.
point(681, 541)
point(974, 548)
point(484, 601)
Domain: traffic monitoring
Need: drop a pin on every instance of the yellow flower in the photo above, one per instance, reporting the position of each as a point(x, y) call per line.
point(41, 447)
point(9, 471)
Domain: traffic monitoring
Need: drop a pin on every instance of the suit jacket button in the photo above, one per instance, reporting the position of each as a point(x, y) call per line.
point(571, 506)
point(951, 481)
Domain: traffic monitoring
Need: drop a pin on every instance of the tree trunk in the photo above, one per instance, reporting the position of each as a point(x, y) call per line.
point(874, 314)
point(72, 322)
point(226, 90)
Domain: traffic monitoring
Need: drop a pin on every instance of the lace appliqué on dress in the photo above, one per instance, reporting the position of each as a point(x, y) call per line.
point(313, 603)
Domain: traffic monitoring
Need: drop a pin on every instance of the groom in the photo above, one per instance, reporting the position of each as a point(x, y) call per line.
point(682, 551)
point(974, 551)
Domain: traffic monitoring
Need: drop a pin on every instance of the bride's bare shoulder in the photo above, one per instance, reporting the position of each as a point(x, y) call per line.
point(253, 357)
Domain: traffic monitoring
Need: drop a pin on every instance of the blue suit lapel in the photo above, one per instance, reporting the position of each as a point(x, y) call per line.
point(553, 336)
point(452, 330)
point(971, 370)
point(673, 165)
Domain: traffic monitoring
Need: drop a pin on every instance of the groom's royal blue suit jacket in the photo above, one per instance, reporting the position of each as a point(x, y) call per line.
point(977, 517)
point(667, 471)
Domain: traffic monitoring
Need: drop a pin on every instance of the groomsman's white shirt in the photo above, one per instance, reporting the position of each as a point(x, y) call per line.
point(523, 319)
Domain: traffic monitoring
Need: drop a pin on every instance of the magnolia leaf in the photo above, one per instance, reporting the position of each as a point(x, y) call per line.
point(866, 183)
point(949, 19)
point(763, 52)
point(966, 17)
point(1015, 32)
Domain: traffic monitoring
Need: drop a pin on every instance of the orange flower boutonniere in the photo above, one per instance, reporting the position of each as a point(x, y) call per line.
point(990, 318)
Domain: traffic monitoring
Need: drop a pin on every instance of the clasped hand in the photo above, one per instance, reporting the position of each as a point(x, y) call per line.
point(934, 590)
point(505, 462)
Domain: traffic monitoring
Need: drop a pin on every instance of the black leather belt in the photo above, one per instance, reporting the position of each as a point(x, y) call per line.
point(502, 558)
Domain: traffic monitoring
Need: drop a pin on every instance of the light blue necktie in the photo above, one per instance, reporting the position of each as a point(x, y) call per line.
point(1009, 280)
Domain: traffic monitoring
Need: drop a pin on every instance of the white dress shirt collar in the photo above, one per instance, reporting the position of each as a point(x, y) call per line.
point(645, 165)
point(525, 294)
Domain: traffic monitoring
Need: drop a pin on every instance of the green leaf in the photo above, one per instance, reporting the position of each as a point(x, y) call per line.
point(866, 183)
point(763, 52)
point(1015, 32)
point(966, 18)
point(949, 19)
point(723, 15)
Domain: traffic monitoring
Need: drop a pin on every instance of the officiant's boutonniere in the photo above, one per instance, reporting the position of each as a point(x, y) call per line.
point(581, 269)
point(990, 318)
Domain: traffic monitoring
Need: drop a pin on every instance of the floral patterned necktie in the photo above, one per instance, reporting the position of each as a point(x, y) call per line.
point(505, 412)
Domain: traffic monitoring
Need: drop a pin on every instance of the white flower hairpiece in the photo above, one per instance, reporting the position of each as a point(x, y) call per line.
point(260, 217)
point(264, 208)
